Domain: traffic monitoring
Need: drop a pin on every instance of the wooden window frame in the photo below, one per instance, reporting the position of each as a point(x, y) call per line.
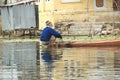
point(100, 7)
point(99, 3)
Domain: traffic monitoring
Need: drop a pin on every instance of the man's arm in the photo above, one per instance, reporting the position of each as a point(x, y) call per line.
point(56, 34)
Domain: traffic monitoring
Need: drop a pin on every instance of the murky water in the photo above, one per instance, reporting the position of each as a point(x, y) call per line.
point(18, 61)
point(22, 61)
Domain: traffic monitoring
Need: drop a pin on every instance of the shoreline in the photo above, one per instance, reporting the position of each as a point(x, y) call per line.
point(73, 41)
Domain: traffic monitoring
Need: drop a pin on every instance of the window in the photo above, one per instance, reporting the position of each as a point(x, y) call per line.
point(99, 4)
point(47, 0)
point(70, 0)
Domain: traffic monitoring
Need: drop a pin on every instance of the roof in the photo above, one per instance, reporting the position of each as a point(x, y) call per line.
point(17, 3)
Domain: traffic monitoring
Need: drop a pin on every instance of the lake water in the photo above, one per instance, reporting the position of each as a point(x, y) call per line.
point(24, 61)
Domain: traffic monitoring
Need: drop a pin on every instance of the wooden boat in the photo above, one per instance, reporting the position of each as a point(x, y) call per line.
point(112, 43)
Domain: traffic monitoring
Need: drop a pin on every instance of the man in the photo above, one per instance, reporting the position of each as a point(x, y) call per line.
point(48, 32)
point(46, 51)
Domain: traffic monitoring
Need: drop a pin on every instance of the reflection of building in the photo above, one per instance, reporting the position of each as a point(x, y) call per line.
point(80, 63)
point(117, 59)
point(117, 64)
point(48, 59)
point(9, 73)
point(19, 53)
point(85, 64)
point(20, 57)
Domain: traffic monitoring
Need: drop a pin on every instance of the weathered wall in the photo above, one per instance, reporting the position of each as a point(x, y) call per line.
point(87, 25)
point(45, 12)
point(80, 11)
point(18, 17)
point(56, 10)
point(59, 5)
point(63, 15)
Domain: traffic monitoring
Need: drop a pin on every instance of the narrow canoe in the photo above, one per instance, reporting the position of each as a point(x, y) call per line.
point(112, 43)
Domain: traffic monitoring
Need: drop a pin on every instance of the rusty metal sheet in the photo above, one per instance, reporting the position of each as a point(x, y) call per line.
point(18, 17)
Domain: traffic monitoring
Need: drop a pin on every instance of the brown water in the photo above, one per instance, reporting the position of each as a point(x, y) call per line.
point(22, 61)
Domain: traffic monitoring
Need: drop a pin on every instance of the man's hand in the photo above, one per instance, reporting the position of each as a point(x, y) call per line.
point(60, 37)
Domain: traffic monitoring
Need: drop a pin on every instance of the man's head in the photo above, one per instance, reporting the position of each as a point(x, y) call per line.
point(48, 23)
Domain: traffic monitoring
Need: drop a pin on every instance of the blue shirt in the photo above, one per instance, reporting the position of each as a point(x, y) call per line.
point(47, 33)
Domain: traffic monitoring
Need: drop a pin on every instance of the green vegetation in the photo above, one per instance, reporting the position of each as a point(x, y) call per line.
point(65, 38)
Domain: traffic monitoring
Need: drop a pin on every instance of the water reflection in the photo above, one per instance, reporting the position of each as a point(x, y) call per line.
point(82, 64)
point(49, 56)
point(22, 61)
point(19, 61)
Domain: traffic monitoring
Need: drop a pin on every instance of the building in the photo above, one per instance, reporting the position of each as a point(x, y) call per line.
point(75, 10)
point(11, 1)
point(19, 15)
point(63, 12)
point(75, 17)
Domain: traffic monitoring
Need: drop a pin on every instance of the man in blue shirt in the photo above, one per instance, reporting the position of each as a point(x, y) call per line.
point(48, 32)
point(46, 50)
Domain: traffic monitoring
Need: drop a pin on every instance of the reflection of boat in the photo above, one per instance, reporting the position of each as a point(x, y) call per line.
point(111, 43)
